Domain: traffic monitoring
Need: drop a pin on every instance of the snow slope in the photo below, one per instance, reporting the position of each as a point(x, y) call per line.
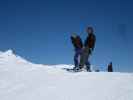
point(23, 80)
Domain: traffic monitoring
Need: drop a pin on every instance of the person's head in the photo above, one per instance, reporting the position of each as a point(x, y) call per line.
point(110, 63)
point(74, 35)
point(89, 30)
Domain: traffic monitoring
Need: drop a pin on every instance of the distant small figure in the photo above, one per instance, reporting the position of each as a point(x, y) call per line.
point(110, 67)
point(97, 70)
point(13, 51)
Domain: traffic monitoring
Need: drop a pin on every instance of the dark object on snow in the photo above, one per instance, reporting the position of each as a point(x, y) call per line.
point(110, 67)
point(73, 70)
point(97, 70)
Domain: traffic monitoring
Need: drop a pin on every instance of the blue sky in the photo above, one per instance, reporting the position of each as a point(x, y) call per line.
point(40, 30)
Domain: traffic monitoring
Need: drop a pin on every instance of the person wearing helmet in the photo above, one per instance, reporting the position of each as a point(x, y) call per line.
point(91, 39)
point(88, 48)
point(78, 45)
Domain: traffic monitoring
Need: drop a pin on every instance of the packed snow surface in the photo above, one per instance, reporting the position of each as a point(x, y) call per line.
point(23, 80)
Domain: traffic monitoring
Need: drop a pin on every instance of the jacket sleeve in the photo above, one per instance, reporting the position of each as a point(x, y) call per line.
point(81, 42)
point(94, 42)
point(72, 40)
point(80, 45)
point(86, 41)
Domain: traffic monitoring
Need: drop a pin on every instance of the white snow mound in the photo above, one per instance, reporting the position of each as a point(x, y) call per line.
point(23, 80)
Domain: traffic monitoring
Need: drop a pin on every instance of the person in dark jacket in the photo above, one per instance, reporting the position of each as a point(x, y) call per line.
point(89, 46)
point(78, 45)
point(91, 39)
point(110, 67)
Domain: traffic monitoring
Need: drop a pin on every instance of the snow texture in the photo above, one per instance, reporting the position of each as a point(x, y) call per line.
point(23, 80)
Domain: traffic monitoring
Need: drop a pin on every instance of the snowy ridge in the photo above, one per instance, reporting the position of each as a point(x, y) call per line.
point(9, 56)
point(23, 80)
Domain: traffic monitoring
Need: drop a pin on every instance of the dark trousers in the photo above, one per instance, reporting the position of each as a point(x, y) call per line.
point(77, 59)
point(77, 56)
point(84, 58)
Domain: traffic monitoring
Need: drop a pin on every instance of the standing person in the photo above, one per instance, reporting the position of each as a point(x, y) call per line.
point(110, 67)
point(78, 45)
point(88, 49)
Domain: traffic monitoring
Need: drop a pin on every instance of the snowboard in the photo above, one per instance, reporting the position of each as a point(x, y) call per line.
point(73, 70)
